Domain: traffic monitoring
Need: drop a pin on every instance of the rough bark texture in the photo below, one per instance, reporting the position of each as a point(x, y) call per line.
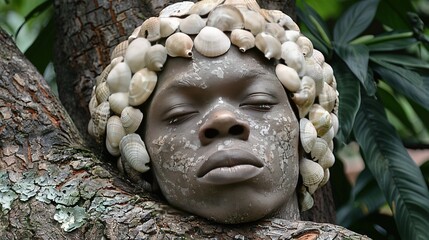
point(52, 187)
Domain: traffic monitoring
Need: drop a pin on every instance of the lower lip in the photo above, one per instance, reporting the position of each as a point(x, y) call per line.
point(230, 175)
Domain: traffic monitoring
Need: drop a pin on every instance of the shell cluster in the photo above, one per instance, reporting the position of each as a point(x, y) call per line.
point(129, 79)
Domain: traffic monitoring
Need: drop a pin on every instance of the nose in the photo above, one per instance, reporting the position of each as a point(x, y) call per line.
point(221, 124)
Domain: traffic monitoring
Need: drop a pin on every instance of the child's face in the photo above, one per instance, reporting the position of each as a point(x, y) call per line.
point(223, 138)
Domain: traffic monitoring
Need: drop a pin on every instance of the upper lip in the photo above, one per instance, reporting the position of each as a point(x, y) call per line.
point(228, 158)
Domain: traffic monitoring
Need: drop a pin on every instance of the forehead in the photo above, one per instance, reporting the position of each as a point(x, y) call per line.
point(203, 72)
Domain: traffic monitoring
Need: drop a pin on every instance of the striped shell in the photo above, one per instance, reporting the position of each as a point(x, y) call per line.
point(133, 150)
point(211, 42)
point(141, 86)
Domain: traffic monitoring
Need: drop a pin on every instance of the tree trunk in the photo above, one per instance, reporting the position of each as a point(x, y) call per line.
point(51, 186)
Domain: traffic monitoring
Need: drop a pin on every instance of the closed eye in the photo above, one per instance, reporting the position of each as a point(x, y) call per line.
point(178, 114)
point(259, 102)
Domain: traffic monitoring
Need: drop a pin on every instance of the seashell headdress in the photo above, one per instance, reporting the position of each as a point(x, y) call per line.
point(130, 78)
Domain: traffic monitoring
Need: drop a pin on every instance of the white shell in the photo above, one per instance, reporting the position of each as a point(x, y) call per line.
point(328, 73)
point(92, 105)
point(177, 9)
point(119, 78)
point(134, 152)
point(306, 46)
point(135, 54)
point(320, 118)
point(114, 133)
point(151, 29)
point(277, 16)
point(319, 149)
point(101, 115)
point(318, 56)
point(327, 160)
point(131, 119)
point(328, 97)
point(288, 77)
point(308, 134)
point(179, 45)
point(243, 39)
point(118, 101)
point(253, 21)
point(155, 57)
point(102, 92)
point(204, 7)
point(325, 177)
point(314, 70)
point(119, 50)
point(225, 18)
point(306, 201)
point(292, 35)
point(212, 42)
point(291, 53)
point(192, 24)
point(276, 31)
point(269, 45)
point(305, 96)
point(311, 172)
point(329, 135)
point(141, 86)
point(335, 123)
point(168, 26)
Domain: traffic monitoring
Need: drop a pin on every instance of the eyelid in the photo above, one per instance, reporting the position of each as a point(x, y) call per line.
point(178, 111)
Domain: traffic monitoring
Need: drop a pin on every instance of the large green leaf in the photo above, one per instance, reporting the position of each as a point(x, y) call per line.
point(356, 57)
point(404, 60)
point(354, 21)
point(349, 89)
point(393, 13)
point(393, 45)
point(393, 105)
point(314, 23)
point(405, 81)
point(396, 173)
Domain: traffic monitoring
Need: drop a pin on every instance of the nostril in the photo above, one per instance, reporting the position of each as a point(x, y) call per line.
point(236, 130)
point(211, 133)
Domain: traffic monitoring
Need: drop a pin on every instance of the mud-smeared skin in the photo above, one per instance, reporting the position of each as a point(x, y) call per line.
point(193, 95)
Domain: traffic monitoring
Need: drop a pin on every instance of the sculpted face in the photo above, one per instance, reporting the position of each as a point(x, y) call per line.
point(223, 139)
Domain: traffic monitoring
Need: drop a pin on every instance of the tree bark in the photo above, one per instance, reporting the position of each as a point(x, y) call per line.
point(53, 187)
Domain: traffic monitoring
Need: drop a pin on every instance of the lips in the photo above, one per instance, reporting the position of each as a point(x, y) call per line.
point(229, 166)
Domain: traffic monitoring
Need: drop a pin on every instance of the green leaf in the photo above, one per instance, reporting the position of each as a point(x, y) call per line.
point(390, 102)
point(405, 81)
point(315, 24)
point(393, 13)
point(421, 112)
point(404, 60)
point(393, 45)
point(396, 173)
point(356, 57)
point(354, 21)
point(349, 90)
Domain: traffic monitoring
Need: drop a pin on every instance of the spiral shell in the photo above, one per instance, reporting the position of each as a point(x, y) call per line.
point(92, 105)
point(314, 70)
point(306, 46)
point(318, 56)
point(131, 119)
point(204, 7)
point(114, 133)
point(320, 118)
point(305, 96)
point(277, 16)
point(133, 150)
point(328, 97)
point(141, 86)
point(119, 78)
point(134, 34)
point(243, 39)
point(308, 134)
point(269, 45)
point(212, 42)
point(335, 123)
point(155, 57)
point(135, 54)
point(276, 31)
point(292, 35)
point(177, 9)
point(151, 29)
point(102, 92)
point(311, 172)
point(328, 73)
point(253, 21)
point(291, 53)
point(225, 18)
point(119, 50)
point(288, 77)
point(179, 45)
point(118, 101)
point(192, 24)
point(168, 26)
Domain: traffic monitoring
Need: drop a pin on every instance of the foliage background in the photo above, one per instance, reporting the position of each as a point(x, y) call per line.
point(379, 51)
